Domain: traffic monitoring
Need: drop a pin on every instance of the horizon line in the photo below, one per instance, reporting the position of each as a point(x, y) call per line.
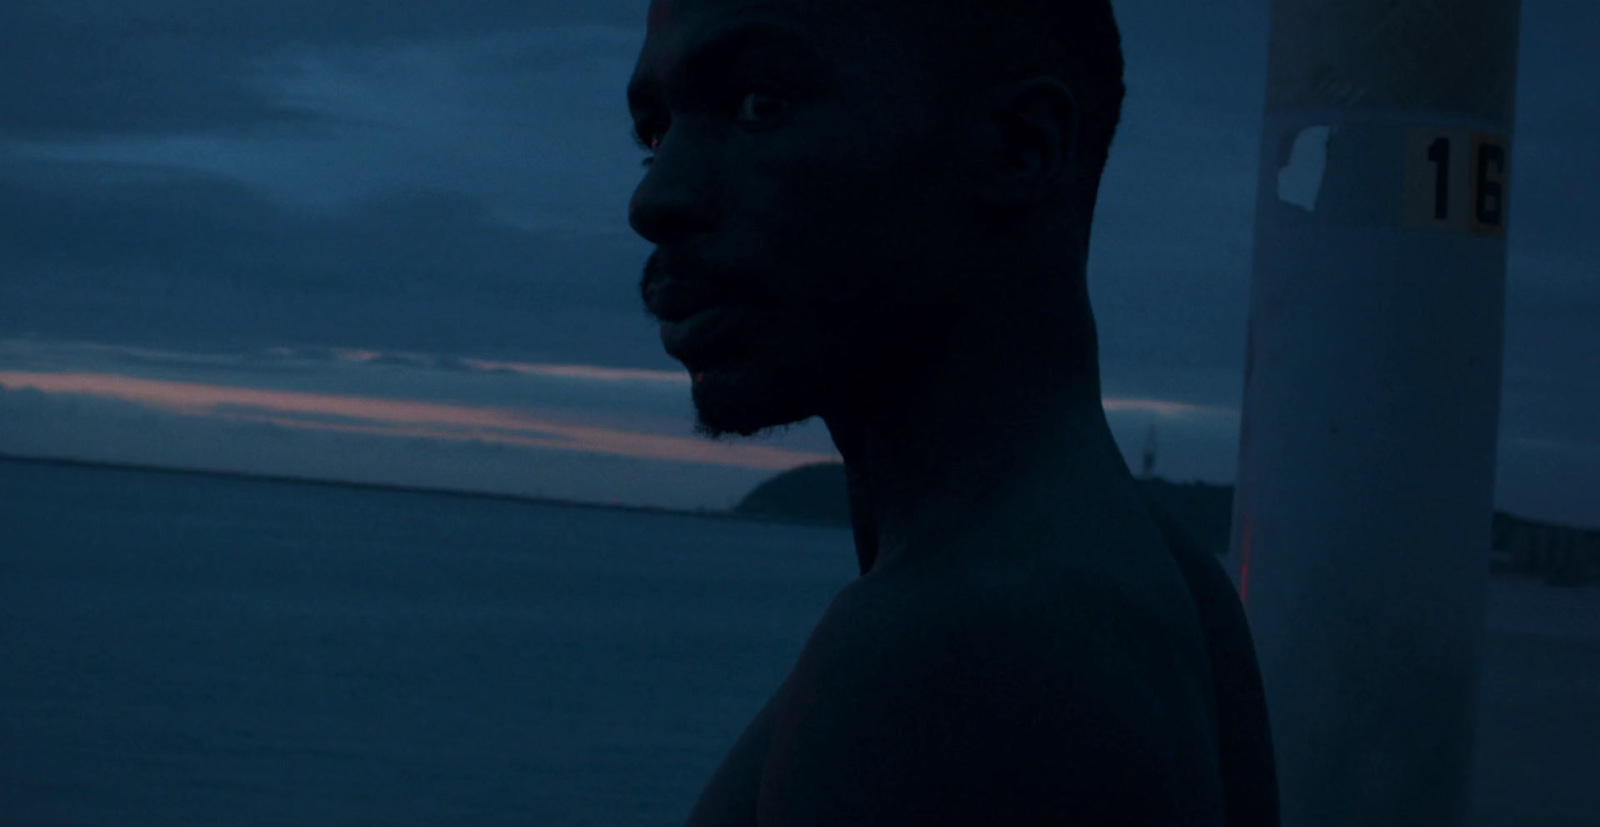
point(714, 513)
point(557, 502)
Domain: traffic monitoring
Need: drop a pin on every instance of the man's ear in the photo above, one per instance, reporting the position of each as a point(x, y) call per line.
point(1033, 143)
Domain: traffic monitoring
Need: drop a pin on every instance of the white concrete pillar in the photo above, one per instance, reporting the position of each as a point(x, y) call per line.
point(1361, 526)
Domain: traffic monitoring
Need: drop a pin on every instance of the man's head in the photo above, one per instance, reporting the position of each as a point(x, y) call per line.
point(858, 177)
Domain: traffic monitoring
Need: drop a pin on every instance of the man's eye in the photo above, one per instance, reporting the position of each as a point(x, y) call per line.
point(755, 108)
point(760, 108)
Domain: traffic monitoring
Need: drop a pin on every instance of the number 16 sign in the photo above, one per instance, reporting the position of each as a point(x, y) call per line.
point(1455, 181)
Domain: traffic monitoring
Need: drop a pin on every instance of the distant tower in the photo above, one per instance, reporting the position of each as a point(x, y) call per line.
point(1150, 453)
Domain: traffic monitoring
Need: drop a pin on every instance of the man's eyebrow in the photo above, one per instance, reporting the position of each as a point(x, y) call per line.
point(718, 50)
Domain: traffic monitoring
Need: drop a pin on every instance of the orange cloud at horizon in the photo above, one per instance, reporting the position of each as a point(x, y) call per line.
point(377, 416)
point(400, 417)
point(1165, 408)
point(582, 371)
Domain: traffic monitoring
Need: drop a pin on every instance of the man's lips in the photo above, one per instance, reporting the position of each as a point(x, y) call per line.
point(699, 338)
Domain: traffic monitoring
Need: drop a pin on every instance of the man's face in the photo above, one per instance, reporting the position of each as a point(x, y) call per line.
point(800, 175)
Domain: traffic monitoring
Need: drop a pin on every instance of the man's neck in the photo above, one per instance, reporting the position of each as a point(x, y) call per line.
point(965, 455)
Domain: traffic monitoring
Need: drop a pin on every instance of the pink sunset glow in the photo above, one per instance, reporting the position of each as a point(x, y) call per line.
point(1164, 408)
point(400, 417)
point(582, 371)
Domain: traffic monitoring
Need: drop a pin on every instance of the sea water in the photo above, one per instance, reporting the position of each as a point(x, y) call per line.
point(179, 649)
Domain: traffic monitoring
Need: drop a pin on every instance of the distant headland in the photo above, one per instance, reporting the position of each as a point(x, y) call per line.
point(814, 495)
point(1559, 555)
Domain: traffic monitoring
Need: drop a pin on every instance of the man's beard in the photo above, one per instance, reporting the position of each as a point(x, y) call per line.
point(861, 364)
point(750, 399)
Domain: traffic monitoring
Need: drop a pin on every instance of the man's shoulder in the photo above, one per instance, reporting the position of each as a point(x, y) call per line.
point(981, 691)
point(1123, 610)
point(1078, 630)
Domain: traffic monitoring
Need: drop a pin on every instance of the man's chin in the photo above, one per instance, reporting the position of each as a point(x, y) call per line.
point(744, 402)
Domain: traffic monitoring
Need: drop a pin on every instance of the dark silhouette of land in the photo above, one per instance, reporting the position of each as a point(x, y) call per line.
point(1557, 554)
point(378, 486)
point(814, 495)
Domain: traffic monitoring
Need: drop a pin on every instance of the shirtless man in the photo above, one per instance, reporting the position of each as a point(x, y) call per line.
point(877, 212)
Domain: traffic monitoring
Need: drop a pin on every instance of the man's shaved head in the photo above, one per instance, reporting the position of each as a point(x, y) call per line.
point(970, 46)
point(877, 187)
point(979, 44)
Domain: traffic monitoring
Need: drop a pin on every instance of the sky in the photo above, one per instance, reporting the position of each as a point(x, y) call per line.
point(387, 242)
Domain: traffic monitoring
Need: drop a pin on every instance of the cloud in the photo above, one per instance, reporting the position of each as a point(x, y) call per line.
point(531, 122)
point(68, 426)
point(237, 412)
point(358, 415)
point(79, 69)
point(407, 417)
point(446, 180)
point(507, 448)
point(63, 77)
point(583, 408)
point(630, 399)
point(123, 253)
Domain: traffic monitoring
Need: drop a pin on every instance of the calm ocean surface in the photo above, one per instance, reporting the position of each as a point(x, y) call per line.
point(188, 650)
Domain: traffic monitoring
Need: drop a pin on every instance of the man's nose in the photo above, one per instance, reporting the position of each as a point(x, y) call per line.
point(670, 204)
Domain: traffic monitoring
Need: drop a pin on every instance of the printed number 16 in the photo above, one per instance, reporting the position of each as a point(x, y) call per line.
point(1488, 181)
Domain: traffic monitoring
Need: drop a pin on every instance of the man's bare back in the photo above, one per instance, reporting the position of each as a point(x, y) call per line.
point(1132, 610)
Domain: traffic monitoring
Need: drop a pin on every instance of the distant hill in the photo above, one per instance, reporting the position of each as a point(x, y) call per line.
point(816, 494)
point(808, 494)
point(1561, 555)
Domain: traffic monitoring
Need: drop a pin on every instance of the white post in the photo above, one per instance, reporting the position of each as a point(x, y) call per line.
point(1367, 453)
